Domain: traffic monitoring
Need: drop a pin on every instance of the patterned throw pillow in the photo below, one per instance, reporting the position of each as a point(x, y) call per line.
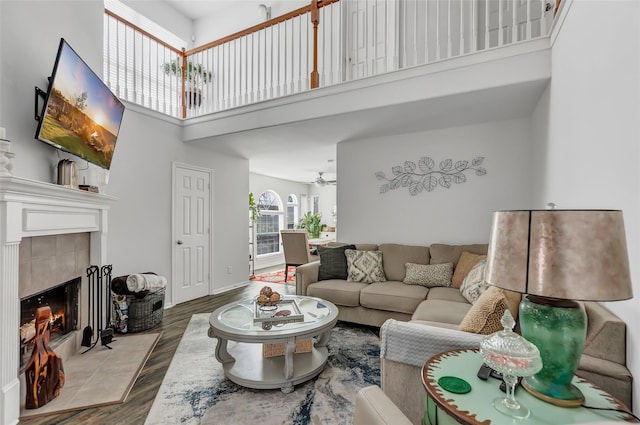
point(428, 275)
point(333, 262)
point(364, 266)
point(474, 284)
point(484, 316)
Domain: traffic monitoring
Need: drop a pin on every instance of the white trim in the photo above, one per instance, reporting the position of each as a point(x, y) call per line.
point(32, 208)
point(558, 21)
point(174, 166)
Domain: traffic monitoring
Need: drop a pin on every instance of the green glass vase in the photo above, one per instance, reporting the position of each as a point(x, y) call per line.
point(558, 328)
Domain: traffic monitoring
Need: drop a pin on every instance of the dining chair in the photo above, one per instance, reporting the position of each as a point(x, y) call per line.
point(295, 244)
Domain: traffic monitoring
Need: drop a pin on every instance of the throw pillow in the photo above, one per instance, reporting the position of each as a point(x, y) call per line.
point(333, 262)
point(465, 264)
point(485, 315)
point(364, 266)
point(428, 275)
point(474, 284)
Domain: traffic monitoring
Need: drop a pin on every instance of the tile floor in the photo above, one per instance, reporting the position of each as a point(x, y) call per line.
point(99, 377)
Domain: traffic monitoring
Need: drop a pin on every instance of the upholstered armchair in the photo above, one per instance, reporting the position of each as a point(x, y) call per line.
point(295, 244)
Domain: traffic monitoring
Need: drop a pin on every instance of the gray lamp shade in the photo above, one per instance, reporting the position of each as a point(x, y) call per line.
point(564, 254)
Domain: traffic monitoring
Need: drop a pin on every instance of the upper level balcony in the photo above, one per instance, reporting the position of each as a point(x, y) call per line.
point(338, 70)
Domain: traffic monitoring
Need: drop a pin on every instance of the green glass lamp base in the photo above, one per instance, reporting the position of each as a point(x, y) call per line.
point(558, 328)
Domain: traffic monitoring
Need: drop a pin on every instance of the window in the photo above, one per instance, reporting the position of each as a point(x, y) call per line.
point(292, 211)
point(269, 223)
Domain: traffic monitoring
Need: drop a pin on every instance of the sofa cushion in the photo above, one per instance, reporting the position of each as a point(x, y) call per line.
point(465, 264)
point(441, 311)
point(474, 284)
point(333, 262)
point(442, 253)
point(393, 296)
point(366, 247)
point(337, 291)
point(447, 294)
point(395, 256)
point(364, 266)
point(428, 275)
point(485, 315)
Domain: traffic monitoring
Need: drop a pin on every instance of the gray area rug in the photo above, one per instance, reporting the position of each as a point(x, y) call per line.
point(195, 391)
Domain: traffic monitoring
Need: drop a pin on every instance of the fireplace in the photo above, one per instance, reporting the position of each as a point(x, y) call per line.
point(63, 300)
point(49, 234)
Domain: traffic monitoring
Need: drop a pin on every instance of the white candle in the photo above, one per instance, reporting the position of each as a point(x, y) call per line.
point(2, 133)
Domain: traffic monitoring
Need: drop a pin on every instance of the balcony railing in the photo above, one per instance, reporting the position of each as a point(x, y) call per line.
point(319, 45)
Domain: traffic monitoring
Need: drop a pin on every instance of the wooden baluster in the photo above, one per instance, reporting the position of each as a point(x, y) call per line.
point(315, 19)
point(182, 78)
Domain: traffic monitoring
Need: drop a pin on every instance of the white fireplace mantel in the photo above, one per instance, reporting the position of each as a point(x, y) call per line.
point(32, 208)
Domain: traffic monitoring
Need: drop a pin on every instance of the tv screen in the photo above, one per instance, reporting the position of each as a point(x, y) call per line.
point(80, 115)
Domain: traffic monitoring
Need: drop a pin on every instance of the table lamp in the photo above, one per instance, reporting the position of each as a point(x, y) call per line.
point(558, 257)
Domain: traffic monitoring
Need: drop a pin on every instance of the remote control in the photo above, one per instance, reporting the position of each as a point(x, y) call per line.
point(484, 372)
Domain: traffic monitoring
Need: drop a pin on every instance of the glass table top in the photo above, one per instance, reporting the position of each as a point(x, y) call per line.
point(239, 316)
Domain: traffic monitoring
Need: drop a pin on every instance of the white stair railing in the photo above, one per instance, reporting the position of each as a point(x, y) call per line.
point(355, 39)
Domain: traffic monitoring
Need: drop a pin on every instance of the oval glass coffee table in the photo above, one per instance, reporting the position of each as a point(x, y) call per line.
point(240, 340)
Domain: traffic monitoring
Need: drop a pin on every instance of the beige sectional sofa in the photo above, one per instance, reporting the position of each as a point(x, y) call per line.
point(417, 322)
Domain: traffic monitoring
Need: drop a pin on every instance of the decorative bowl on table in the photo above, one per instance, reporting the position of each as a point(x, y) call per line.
point(514, 357)
point(268, 299)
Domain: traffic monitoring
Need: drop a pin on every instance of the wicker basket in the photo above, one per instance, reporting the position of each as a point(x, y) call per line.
point(277, 349)
point(145, 313)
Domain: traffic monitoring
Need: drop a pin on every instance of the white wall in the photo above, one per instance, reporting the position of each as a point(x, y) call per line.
point(587, 130)
point(140, 236)
point(140, 222)
point(30, 32)
point(460, 214)
point(237, 16)
point(166, 16)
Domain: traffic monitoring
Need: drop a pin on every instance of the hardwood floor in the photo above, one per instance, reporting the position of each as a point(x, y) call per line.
point(134, 411)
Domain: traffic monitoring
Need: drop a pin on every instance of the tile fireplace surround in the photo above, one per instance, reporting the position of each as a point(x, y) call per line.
point(30, 208)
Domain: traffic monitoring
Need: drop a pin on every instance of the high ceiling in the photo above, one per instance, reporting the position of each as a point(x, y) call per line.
point(302, 164)
point(195, 9)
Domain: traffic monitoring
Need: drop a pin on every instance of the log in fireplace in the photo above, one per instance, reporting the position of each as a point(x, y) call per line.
point(63, 300)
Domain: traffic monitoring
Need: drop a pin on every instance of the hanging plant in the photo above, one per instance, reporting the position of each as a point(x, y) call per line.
point(425, 176)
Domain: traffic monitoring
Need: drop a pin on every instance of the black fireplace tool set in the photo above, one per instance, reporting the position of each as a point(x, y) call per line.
point(99, 292)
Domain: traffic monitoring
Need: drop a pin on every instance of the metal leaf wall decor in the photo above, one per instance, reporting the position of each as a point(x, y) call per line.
point(425, 175)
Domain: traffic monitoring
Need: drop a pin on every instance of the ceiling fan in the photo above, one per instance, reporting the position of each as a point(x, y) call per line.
point(321, 181)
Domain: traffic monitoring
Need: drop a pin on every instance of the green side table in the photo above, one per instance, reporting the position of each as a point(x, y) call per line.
point(447, 408)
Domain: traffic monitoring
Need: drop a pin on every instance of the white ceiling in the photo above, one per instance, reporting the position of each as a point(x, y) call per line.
point(195, 9)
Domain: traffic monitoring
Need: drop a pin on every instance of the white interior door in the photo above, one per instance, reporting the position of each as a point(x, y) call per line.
point(191, 232)
point(371, 37)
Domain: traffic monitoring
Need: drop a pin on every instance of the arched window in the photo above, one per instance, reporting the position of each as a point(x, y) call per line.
point(269, 223)
point(292, 211)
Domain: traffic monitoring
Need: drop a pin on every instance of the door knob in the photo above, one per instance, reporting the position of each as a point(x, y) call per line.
point(179, 242)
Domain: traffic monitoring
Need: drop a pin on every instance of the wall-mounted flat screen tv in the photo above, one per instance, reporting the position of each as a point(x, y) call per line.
point(80, 115)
